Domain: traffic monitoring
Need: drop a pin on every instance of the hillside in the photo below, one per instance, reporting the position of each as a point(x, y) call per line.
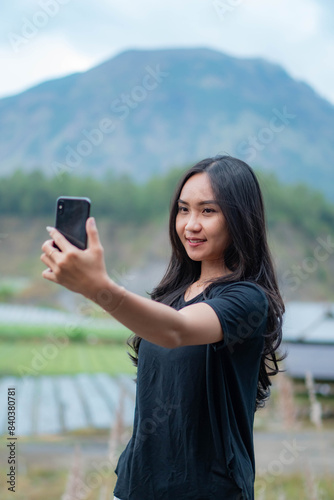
point(134, 232)
point(142, 112)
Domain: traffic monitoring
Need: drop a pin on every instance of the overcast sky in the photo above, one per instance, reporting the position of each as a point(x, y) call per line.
point(44, 39)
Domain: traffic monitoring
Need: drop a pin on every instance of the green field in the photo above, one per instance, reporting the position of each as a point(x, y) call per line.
point(56, 350)
point(72, 333)
point(51, 358)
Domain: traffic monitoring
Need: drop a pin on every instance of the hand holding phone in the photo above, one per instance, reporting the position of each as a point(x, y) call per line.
point(71, 215)
point(80, 271)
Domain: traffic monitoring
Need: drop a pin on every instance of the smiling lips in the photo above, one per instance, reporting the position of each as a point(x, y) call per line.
point(194, 242)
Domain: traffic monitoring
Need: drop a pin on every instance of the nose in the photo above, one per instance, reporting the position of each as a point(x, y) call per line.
point(193, 224)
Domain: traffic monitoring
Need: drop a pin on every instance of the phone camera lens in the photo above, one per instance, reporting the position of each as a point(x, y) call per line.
point(61, 207)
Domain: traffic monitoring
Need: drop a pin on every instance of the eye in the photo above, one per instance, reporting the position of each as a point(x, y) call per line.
point(209, 210)
point(182, 209)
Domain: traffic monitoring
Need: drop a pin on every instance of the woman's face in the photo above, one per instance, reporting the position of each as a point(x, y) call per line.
point(200, 223)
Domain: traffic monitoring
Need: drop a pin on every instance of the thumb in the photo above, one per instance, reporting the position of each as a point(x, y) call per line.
point(92, 233)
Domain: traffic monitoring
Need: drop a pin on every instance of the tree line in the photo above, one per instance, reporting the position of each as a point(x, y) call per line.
point(123, 200)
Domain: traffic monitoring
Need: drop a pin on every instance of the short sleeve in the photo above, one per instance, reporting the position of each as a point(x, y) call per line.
point(242, 310)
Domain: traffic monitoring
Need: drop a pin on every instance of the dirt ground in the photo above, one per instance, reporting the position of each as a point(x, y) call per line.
point(276, 453)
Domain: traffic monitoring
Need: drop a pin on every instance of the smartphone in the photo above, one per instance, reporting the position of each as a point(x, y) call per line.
point(71, 215)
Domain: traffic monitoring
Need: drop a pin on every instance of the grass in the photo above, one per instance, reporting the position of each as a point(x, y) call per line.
point(72, 332)
point(51, 358)
point(56, 350)
point(293, 486)
point(39, 483)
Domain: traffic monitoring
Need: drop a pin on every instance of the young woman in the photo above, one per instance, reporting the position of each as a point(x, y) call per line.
point(204, 346)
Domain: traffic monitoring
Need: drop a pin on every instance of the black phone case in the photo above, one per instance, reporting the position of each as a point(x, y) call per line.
point(71, 215)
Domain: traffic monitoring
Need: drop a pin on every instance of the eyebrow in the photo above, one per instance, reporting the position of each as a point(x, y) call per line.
point(206, 202)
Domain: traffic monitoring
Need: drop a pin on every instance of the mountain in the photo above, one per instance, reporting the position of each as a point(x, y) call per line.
point(145, 111)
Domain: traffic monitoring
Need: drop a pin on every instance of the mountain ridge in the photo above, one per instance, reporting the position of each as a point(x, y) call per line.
point(145, 111)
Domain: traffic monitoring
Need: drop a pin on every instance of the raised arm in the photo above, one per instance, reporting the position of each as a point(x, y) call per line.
point(84, 272)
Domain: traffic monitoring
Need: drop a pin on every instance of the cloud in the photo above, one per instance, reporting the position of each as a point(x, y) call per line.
point(288, 33)
point(83, 33)
point(50, 58)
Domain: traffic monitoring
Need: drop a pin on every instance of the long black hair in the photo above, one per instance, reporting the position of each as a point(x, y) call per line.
point(248, 256)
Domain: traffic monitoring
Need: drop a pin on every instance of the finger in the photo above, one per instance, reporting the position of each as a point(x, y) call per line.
point(49, 248)
point(47, 245)
point(59, 239)
point(47, 260)
point(49, 275)
point(92, 233)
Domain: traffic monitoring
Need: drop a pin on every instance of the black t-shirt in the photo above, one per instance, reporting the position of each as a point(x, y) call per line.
point(193, 424)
